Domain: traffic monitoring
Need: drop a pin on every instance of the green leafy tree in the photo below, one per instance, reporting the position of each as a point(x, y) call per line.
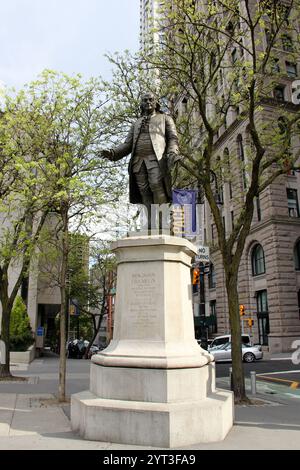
point(70, 127)
point(102, 282)
point(23, 210)
point(21, 336)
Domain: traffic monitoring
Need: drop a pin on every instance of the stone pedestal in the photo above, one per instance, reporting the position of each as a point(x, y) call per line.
point(153, 385)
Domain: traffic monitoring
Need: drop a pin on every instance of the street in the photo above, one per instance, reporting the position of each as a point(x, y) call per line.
point(43, 373)
point(260, 367)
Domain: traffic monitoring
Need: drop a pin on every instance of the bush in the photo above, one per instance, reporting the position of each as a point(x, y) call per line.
point(21, 336)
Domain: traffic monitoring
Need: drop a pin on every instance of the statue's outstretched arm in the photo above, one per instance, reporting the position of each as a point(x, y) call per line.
point(121, 150)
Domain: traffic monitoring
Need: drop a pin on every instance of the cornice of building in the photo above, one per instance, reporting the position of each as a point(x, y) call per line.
point(275, 220)
point(265, 102)
point(230, 130)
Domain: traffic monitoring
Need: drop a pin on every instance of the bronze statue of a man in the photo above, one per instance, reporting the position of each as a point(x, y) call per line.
point(153, 144)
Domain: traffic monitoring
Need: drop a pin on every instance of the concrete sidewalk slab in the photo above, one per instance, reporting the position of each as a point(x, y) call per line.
point(22, 415)
point(29, 422)
point(7, 409)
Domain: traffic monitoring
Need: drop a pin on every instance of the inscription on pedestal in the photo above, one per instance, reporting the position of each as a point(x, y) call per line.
point(144, 308)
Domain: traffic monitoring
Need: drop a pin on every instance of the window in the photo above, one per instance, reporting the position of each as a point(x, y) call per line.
point(287, 43)
point(284, 12)
point(268, 36)
point(227, 170)
point(212, 277)
point(262, 316)
point(279, 93)
point(212, 232)
point(212, 307)
point(241, 156)
point(275, 65)
point(220, 341)
point(230, 28)
point(230, 190)
point(232, 219)
point(212, 324)
point(297, 255)
point(258, 260)
point(291, 69)
point(241, 48)
point(240, 147)
point(234, 56)
point(184, 103)
point(293, 206)
point(282, 125)
point(218, 180)
point(258, 210)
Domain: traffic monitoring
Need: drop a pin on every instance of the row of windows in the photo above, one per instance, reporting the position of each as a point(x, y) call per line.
point(293, 211)
point(258, 263)
point(292, 196)
point(290, 67)
point(262, 313)
point(258, 259)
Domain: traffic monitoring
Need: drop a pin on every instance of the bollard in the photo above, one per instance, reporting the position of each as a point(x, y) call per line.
point(253, 382)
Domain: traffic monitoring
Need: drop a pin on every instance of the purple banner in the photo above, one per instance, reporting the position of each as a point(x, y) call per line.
point(185, 200)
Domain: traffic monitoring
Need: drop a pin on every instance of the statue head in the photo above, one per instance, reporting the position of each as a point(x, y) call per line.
point(149, 103)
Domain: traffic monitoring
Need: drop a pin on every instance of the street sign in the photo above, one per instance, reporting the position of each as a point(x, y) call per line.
point(40, 331)
point(202, 255)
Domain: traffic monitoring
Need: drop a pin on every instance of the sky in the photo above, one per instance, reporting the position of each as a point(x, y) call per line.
point(69, 36)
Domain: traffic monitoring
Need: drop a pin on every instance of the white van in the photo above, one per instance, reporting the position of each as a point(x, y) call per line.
point(219, 340)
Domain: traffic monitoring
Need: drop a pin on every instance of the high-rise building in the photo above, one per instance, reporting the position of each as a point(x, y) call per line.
point(268, 281)
point(149, 15)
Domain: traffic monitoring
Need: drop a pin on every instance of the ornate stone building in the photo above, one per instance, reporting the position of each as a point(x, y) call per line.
point(269, 275)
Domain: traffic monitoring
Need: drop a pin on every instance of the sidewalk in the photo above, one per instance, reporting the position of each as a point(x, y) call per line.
point(36, 421)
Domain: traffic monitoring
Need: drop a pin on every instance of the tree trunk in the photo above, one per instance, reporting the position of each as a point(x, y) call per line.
point(63, 308)
point(236, 346)
point(4, 346)
point(62, 348)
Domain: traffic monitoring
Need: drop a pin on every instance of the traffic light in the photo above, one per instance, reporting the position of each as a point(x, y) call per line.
point(250, 322)
point(196, 276)
point(242, 310)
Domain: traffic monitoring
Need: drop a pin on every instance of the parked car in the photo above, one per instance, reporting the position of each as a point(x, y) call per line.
point(219, 340)
point(249, 353)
